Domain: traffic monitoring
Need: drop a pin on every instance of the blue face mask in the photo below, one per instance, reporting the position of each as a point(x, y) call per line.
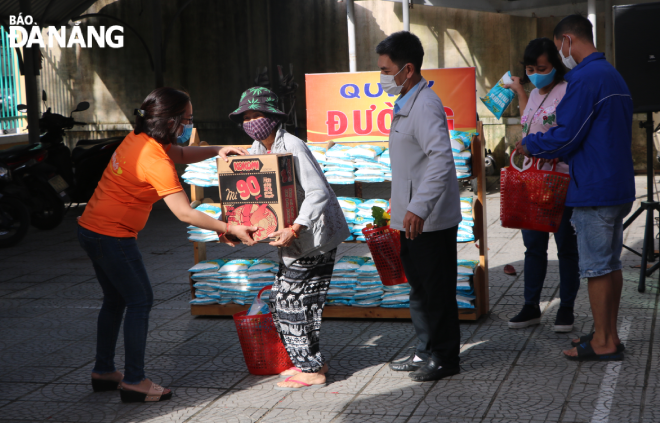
point(542, 80)
point(185, 135)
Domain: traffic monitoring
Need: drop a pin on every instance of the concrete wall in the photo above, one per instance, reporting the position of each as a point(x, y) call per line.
point(214, 49)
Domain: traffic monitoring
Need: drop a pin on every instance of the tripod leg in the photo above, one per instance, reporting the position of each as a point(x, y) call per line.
point(650, 253)
point(648, 236)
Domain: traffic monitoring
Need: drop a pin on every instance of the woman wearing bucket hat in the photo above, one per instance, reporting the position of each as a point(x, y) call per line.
point(307, 249)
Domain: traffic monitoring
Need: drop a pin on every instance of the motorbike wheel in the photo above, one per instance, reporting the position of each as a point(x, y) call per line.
point(51, 211)
point(14, 221)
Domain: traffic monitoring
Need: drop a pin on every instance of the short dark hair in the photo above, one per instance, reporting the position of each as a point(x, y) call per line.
point(576, 25)
point(403, 47)
point(161, 105)
point(535, 49)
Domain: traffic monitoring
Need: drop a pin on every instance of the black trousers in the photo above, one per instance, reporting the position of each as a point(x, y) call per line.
point(430, 265)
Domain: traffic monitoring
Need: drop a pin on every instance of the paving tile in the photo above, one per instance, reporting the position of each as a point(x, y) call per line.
point(455, 398)
point(542, 401)
point(229, 415)
point(286, 416)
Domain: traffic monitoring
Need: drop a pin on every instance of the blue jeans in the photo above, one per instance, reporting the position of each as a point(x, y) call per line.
point(125, 284)
point(536, 262)
point(600, 238)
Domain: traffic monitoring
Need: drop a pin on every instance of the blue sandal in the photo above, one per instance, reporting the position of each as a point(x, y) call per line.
point(586, 353)
point(587, 338)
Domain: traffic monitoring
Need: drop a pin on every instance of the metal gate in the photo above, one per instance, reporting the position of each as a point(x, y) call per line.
point(10, 87)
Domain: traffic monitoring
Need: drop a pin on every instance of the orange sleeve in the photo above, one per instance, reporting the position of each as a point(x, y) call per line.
point(162, 175)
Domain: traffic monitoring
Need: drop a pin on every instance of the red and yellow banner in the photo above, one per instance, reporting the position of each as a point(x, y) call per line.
point(353, 106)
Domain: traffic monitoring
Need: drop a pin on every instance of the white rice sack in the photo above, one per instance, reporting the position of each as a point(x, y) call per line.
point(236, 265)
point(466, 203)
point(365, 295)
point(385, 157)
point(213, 211)
point(370, 164)
point(365, 152)
point(204, 238)
point(367, 268)
point(347, 173)
point(368, 172)
point(318, 153)
point(349, 203)
point(401, 298)
point(336, 162)
point(207, 266)
point(349, 215)
point(339, 151)
point(466, 267)
point(202, 301)
point(350, 263)
point(376, 202)
point(262, 265)
point(259, 275)
point(365, 213)
point(335, 180)
point(464, 169)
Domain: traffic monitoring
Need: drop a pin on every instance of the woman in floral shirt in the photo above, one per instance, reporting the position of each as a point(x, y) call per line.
point(544, 68)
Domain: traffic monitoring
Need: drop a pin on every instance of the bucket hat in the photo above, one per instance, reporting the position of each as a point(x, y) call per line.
point(260, 99)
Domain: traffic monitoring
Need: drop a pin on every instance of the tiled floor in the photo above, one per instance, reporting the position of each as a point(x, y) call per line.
point(49, 300)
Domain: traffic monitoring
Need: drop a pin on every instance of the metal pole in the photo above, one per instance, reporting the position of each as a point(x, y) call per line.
point(156, 17)
point(350, 17)
point(31, 90)
point(609, 51)
point(406, 15)
point(591, 11)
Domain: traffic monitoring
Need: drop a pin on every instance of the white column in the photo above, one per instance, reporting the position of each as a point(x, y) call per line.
point(406, 15)
point(350, 16)
point(591, 11)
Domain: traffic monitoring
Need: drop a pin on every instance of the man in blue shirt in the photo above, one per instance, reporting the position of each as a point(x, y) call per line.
point(594, 136)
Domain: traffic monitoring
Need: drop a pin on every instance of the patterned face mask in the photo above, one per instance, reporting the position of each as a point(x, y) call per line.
point(259, 129)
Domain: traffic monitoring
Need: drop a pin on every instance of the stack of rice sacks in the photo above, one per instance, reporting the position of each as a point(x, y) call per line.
point(355, 282)
point(339, 167)
point(466, 227)
point(367, 166)
point(235, 281)
point(202, 174)
point(464, 287)
point(358, 214)
point(344, 165)
point(202, 235)
point(460, 148)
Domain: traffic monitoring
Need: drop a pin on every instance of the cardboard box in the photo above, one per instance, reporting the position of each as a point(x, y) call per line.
point(259, 191)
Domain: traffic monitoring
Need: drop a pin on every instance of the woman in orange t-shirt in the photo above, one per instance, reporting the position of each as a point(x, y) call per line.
point(140, 173)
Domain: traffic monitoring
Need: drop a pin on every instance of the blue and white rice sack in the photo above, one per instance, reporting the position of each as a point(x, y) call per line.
point(369, 175)
point(463, 158)
point(203, 174)
point(385, 158)
point(370, 152)
point(203, 235)
point(499, 98)
point(466, 267)
point(318, 152)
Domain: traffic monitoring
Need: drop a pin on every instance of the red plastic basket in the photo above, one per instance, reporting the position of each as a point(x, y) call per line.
point(262, 347)
point(532, 198)
point(385, 246)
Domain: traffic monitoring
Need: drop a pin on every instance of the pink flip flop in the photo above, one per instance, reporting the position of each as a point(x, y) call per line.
point(291, 368)
point(300, 388)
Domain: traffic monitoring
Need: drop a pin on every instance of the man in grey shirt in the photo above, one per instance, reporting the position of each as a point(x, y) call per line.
point(425, 204)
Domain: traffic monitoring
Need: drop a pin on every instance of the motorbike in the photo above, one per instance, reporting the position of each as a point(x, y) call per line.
point(81, 168)
point(35, 183)
point(14, 214)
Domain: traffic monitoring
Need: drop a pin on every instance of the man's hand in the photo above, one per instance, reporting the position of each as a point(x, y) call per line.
point(223, 239)
point(231, 151)
point(413, 225)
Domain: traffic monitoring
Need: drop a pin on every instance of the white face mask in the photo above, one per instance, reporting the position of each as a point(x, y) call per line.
point(389, 84)
point(569, 62)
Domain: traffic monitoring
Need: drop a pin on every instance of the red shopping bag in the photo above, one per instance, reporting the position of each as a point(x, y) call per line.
point(532, 198)
point(262, 347)
point(385, 246)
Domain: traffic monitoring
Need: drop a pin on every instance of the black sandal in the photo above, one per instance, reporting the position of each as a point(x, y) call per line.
point(104, 385)
point(587, 338)
point(586, 353)
point(155, 394)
